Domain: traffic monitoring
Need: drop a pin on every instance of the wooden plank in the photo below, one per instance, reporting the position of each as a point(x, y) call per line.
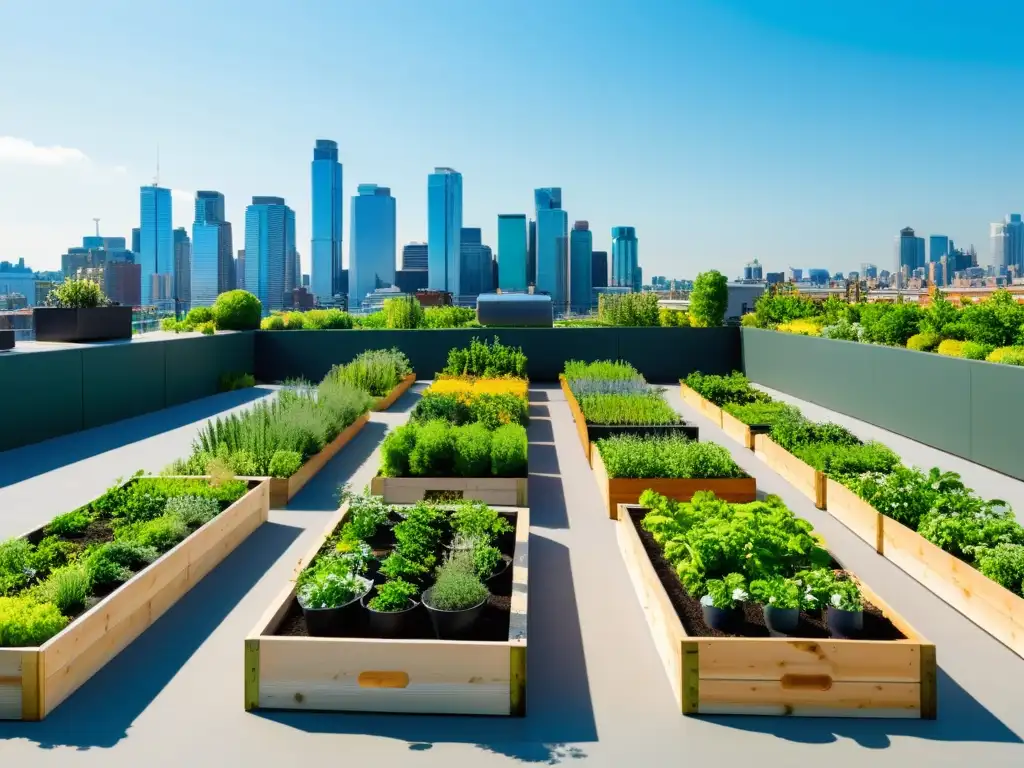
point(252, 674)
point(735, 658)
point(771, 697)
point(929, 682)
point(32, 689)
point(993, 608)
point(804, 477)
point(690, 681)
point(737, 430)
point(443, 677)
point(700, 403)
point(497, 491)
point(12, 682)
point(309, 470)
point(690, 396)
point(855, 513)
point(517, 685)
point(386, 402)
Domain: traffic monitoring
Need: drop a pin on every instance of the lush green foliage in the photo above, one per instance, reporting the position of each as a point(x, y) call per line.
point(403, 312)
point(793, 431)
point(758, 414)
point(438, 448)
point(778, 592)
point(1004, 564)
point(476, 520)
point(709, 299)
point(725, 593)
point(330, 584)
point(229, 382)
point(448, 317)
point(1005, 355)
point(69, 524)
point(15, 565)
point(52, 552)
point(673, 318)
point(924, 342)
point(393, 596)
point(509, 448)
point(734, 388)
point(77, 294)
point(472, 450)
point(67, 588)
point(194, 511)
point(237, 310)
point(491, 410)
point(115, 561)
point(489, 360)
point(602, 369)
point(838, 461)
point(377, 371)
point(628, 309)
point(26, 623)
point(457, 585)
point(666, 457)
point(649, 409)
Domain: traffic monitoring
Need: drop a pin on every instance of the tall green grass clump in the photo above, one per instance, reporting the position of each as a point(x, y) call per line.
point(377, 371)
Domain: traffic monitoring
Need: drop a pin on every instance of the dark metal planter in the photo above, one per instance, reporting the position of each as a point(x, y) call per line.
point(77, 325)
point(6, 340)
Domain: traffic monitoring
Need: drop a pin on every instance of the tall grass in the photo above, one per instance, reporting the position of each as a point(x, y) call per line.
point(376, 371)
point(640, 410)
point(602, 369)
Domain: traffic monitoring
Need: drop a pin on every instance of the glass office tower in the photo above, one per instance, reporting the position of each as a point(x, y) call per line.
point(513, 252)
point(624, 258)
point(581, 254)
point(552, 247)
point(213, 264)
point(327, 220)
point(269, 250)
point(156, 248)
point(371, 263)
point(444, 230)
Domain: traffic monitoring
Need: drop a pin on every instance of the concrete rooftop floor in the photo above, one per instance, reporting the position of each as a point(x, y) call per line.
point(597, 693)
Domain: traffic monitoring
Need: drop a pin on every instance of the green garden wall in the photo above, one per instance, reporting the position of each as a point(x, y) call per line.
point(663, 355)
point(51, 393)
point(965, 407)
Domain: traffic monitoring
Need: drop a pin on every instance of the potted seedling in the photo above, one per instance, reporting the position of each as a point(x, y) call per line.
point(390, 608)
point(781, 599)
point(845, 610)
point(329, 594)
point(721, 604)
point(488, 564)
point(476, 520)
point(457, 598)
point(78, 310)
point(816, 585)
point(369, 518)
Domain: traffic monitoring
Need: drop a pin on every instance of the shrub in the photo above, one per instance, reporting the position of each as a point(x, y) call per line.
point(1007, 355)
point(495, 410)
point(113, 562)
point(393, 596)
point(284, 463)
point(293, 321)
point(846, 460)
point(326, 319)
point(434, 451)
point(509, 449)
point(194, 511)
point(782, 306)
point(199, 315)
point(843, 331)
point(272, 323)
point(645, 410)
point(904, 494)
point(457, 586)
point(628, 309)
point(376, 371)
point(26, 623)
point(447, 317)
point(331, 585)
point(53, 552)
point(808, 327)
point(1004, 564)
point(489, 360)
point(207, 329)
point(924, 342)
point(602, 369)
point(77, 294)
point(709, 299)
point(229, 382)
point(476, 520)
point(974, 350)
point(15, 565)
point(670, 457)
point(891, 324)
point(67, 588)
point(472, 451)
point(757, 414)
point(734, 388)
point(374, 320)
point(70, 524)
point(486, 559)
point(673, 318)
point(404, 312)
point(447, 407)
point(395, 450)
point(951, 348)
point(237, 310)
point(161, 533)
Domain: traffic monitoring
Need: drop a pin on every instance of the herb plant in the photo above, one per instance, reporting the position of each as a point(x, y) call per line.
point(778, 592)
point(669, 456)
point(69, 524)
point(726, 592)
point(77, 294)
point(606, 370)
point(67, 588)
point(27, 623)
point(846, 596)
point(734, 388)
point(376, 371)
point(457, 586)
point(641, 410)
point(393, 596)
point(492, 359)
point(758, 414)
point(331, 586)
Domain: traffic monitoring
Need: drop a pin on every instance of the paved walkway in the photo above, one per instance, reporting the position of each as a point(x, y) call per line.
point(597, 692)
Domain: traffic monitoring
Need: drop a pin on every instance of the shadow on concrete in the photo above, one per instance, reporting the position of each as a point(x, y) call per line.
point(559, 710)
point(547, 502)
point(538, 395)
point(102, 711)
point(407, 401)
point(321, 493)
point(961, 718)
point(543, 458)
point(540, 431)
point(540, 412)
point(28, 461)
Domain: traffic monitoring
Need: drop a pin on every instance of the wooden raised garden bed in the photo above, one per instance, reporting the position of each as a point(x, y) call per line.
point(283, 489)
point(367, 674)
point(808, 480)
point(403, 386)
point(34, 681)
point(496, 491)
point(743, 433)
point(992, 607)
point(706, 408)
point(781, 676)
point(627, 490)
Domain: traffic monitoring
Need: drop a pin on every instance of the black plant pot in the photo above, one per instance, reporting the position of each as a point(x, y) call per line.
point(6, 340)
point(503, 566)
point(722, 619)
point(75, 325)
point(388, 623)
point(451, 625)
point(334, 622)
point(781, 621)
point(845, 625)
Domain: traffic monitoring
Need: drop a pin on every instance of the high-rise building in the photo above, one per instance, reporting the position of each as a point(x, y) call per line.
point(906, 251)
point(999, 240)
point(328, 205)
point(240, 269)
point(599, 269)
point(414, 256)
point(938, 246)
point(121, 282)
point(531, 253)
point(513, 258)
point(552, 247)
point(156, 247)
point(269, 249)
point(182, 271)
point(213, 264)
point(922, 261)
point(1011, 258)
point(136, 239)
point(870, 271)
point(752, 270)
point(625, 259)
point(371, 262)
point(581, 257)
point(444, 230)
point(476, 264)
point(411, 280)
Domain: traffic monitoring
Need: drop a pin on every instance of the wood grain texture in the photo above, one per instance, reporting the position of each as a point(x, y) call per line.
point(737, 430)
point(12, 683)
point(729, 658)
point(403, 386)
point(252, 674)
point(623, 490)
point(577, 416)
point(769, 697)
point(855, 513)
point(802, 476)
point(497, 491)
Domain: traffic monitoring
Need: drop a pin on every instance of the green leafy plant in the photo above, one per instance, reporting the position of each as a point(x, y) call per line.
point(229, 382)
point(376, 371)
point(489, 360)
point(472, 450)
point(761, 414)
point(816, 585)
point(492, 410)
point(602, 369)
point(642, 410)
point(237, 310)
point(284, 463)
point(404, 312)
point(443, 406)
point(194, 511)
point(77, 294)
point(924, 342)
point(70, 524)
point(793, 431)
point(393, 596)
point(161, 532)
point(1004, 564)
point(457, 587)
point(476, 520)
point(673, 318)
point(778, 592)
point(398, 566)
point(16, 565)
point(366, 513)
point(434, 452)
point(199, 315)
point(331, 585)
point(709, 299)
point(486, 559)
point(67, 588)
point(725, 593)
point(114, 562)
point(395, 450)
point(27, 623)
point(509, 450)
point(840, 461)
point(974, 350)
point(628, 309)
point(53, 552)
point(904, 494)
point(846, 596)
point(670, 456)
point(734, 388)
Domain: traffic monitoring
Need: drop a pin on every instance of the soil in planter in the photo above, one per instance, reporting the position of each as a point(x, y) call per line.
point(492, 625)
point(688, 608)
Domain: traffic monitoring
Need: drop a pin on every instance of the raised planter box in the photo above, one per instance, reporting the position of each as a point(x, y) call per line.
point(76, 325)
point(377, 675)
point(386, 402)
point(283, 489)
point(6, 340)
point(781, 676)
point(803, 476)
point(627, 490)
point(706, 408)
point(743, 433)
point(497, 491)
point(992, 607)
point(34, 681)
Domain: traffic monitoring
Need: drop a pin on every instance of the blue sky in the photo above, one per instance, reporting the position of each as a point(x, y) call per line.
point(722, 130)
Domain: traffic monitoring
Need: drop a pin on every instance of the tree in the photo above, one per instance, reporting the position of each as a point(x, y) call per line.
point(709, 299)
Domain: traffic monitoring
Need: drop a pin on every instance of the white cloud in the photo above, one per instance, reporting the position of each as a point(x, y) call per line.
point(24, 152)
point(182, 195)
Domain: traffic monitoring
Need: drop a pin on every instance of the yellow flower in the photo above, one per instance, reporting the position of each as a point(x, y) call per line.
point(467, 389)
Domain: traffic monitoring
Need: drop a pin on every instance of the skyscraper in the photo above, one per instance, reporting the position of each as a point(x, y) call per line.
point(552, 246)
point(906, 251)
point(625, 259)
point(581, 256)
point(240, 269)
point(938, 246)
point(921, 259)
point(136, 239)
point(599, 269)
point(414, 256)
point(213, 264)
point(531, 253)
point(476, 267)
point(156, 247)
point(182, 270)
point(327, 220)
point(444, 230)
point(371, 262)
point(513, 259)
point(269, 249)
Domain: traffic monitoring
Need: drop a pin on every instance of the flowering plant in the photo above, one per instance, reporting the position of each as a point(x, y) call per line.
point(725, 593)
point(846, 596)
point(777, 592)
